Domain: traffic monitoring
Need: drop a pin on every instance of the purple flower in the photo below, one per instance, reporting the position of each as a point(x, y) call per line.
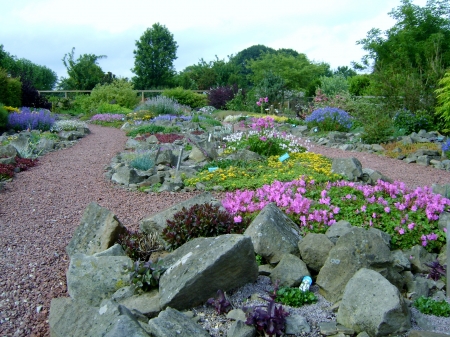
point(411, 226)
point(401, 231)
point(238, 219)
point(263, 138)
point(387, 209)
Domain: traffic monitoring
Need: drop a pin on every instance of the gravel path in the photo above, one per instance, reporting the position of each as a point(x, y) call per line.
point(40, 209)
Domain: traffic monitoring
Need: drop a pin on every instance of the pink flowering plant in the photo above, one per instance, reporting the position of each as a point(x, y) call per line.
point(262, 102)
point(409, 216)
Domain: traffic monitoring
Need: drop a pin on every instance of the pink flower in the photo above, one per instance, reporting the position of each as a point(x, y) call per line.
point(258, 103)
point(374, 215)
point(238, 219)
point(401, 231)
point(363, 208)
point(266, 99)
point(411, 226)
point(263, 138)
point(387, 209)
point(432, 237)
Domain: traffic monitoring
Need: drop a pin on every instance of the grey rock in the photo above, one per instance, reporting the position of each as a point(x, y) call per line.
point(265, 269)
point(115, 250)
point(357, 249)
point(296, 323)
point(237, 315)
point(377, 148)
point(444, 219)
point(69, 318)
point(371, 177)
point(399, 261)
point(338, 229)
point(418, 287)
point(350, 168)
point(126, 175)
point(383, 235)
point(99, 229)
point(240, 329)
point(228, 260)
point(328, 328)
point(371, 303)
point(244, 154)
point(8, 160)
point(273, 234)
point(70, 135)
point(20, 143)
point(314, 249)
point(146, 303)
point(289, 271)
point(45, 145)
point(418, 256)
point(8, 151)
point(423, 160)
point(157, 222)
point(421, 333)
point(166, 157)
point(91, 279)
point(171, 322)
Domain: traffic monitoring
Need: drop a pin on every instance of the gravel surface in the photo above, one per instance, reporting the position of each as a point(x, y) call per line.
point(41, 207)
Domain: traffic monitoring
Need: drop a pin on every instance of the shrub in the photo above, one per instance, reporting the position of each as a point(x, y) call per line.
point(203, 220)
point(68, 125)
point(112, 108)
point(238, 102)
point(359, 84)
point(3, 117)
point(330, 119)
point(219, 96)
point(138, 245)
point(334, 85)
point(379, 131)
point(186, 97)
point(6, 171)
point(436, 270)
point(14, 92)
point(162, 105)
point(142, 162)
point(443, 99)
point(152, 129)
point(412, 122)
point(221, 303)
point(33, 120)
point(120, 91)
point(32, 98)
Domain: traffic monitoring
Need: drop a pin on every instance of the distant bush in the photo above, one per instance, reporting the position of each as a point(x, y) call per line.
point(31, 119)
point(32, 98)
point(3, 117)
point(412, 122)
point(162, 105)
point(218, 97)
point(120, 92)
point(379, 131)
point(112, 108)
point(334, 85)
point(186, 97)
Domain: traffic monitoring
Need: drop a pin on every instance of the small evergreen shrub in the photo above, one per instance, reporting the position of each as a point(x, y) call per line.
point(186, 97)
point(379, 131)
point(14, 92)
point(119, 92)
point(218, 97)
point(412, 122)
point(162, 105)
point(204, 220)
point(329, 119)
point(68, 125)
point(142, 162)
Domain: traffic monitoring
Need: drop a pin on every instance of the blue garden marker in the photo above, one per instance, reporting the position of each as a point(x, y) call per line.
point(306, 283)
point(283, 157)
point(212, 169)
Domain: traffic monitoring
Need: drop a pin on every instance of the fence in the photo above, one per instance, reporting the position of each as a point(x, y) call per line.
point(141, 92)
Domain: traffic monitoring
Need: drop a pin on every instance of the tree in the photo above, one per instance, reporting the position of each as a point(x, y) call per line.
point(154, 56)
point(408, 59)
point(84, 73)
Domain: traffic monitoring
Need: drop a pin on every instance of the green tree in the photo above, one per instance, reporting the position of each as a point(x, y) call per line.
point(153, 61)
point(408, 59)
point(84, 73)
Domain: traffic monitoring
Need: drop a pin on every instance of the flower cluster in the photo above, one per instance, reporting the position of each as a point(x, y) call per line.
point(29, 119)
point(107, 117)
point(68, 125)
point(261, 102)
point(262, 124)
point(330, 119)
point(446, 148)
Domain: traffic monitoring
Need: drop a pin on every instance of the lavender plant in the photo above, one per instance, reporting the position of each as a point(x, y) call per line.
point(161, 105)
point(28, 119)
point(329, 119)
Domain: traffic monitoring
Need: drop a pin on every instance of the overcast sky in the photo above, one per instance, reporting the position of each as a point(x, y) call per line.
point(43, 31)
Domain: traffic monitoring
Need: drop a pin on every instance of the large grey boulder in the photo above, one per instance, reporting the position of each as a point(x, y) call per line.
point(69, 318)
point(90, 279)
point(350, 168)
point(357, 249)
point(99, 229)
point(45, 145)
point(289, 271)
point(371, 303)
point(70, 135)
point(338, 229)
point(371, 177)
point(8, 151)
point(171, 322)
point(273, 234)
point(314, 249)
point(158, 221)
point(126, 175)
point(20, 143)
point(202, 266)
point(146, 303)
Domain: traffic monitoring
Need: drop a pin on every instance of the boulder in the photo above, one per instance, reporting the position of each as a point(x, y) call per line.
point(171, 322)
point(240, 329)
point(350, 168)
point(126, 175)
point(146, 303)
point(202, 266)
point(69, 318)
point(314, 249)
point(99, 229)
point(45, 145)
point(8, 151)
point(338, 229)
point(157, 222)
point(244, 154)
point(357, 249)
point(418, 256)
point(295, 324)
point(273, 234)
point(289, 271)
point(166, 157)
point(90, 279)
point(21, 143)
point(70, 135)
point(371, 303)
point(371, 177)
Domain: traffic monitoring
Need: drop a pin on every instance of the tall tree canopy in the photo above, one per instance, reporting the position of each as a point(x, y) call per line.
point(84, 73)
point(153, 61)
point(409, 59)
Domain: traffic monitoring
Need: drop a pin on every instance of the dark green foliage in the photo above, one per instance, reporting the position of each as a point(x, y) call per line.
point(138, 245)
point(31, 97)
point(359, 85)
point(429, 306)
point(152, 129)
point(210, 121)
point(3, 117)
point(218, 97)
point(204, 220)
point(221, 304)
point(142, 162)
point(412, 122)
point(145, 275)
point(186, 97)
point(379, 131)
point(84, 73)
point(14, 93)
point(294, 297)
point(153, 58)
